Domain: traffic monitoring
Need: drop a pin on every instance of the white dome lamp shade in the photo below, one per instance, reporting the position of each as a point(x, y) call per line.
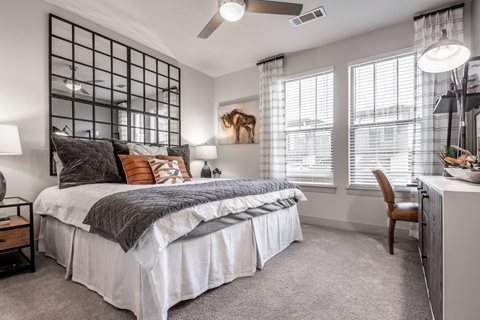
point(444, 55)
point(232, 10)
point(9, 145)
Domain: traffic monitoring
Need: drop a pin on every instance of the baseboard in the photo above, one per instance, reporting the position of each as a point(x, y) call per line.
point(353, 226)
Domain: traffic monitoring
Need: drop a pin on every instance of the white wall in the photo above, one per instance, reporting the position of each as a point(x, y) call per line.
point(24, 92)
point(345, 208)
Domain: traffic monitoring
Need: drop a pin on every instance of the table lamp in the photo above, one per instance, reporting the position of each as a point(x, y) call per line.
point(9, 145)
point(206, 152)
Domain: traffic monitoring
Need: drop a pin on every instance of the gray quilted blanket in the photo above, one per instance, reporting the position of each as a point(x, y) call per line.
point(125, 216)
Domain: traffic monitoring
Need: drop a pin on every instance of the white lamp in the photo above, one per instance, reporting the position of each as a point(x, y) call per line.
point(9, 145)
point(232, 10)
point(206, 152)
point(444, 55)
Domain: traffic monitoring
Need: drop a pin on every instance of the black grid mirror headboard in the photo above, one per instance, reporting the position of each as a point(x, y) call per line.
point(103, 89)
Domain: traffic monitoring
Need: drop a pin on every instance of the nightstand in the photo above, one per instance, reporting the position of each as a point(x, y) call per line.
point(16, 237)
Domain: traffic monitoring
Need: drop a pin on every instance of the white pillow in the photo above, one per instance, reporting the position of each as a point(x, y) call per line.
point(166, 171)
point(58, 165)
point(144, 150)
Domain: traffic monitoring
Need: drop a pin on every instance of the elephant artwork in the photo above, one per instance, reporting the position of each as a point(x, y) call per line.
point(239, 123)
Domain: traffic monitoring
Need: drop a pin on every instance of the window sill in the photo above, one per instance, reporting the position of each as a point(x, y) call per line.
point(402, 192)
point(318, 187)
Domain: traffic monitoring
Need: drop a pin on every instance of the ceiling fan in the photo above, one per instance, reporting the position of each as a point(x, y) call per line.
point(233, 10)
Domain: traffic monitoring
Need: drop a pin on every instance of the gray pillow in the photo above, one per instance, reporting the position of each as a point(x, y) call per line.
point(184, 152)
point(85, 161)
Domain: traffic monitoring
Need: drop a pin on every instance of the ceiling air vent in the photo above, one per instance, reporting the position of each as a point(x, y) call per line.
point(308, 16)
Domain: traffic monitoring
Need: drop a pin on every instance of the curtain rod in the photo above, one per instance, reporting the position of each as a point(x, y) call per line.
point(277, 57)
point(455, 6)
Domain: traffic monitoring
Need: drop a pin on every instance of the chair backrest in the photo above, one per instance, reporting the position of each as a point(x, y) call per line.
point(385, 186)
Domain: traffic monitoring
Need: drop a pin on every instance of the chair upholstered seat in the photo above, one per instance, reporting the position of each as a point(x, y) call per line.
point(405, 211)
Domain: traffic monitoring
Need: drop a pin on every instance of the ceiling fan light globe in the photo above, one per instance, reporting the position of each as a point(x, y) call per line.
point(74, 86)
point(232, 10)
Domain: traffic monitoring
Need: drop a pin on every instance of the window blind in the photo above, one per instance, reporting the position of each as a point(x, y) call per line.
point(309, 128)
point(382, 115)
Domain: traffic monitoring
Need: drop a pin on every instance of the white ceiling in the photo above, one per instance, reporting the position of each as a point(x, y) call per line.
point(171, 27)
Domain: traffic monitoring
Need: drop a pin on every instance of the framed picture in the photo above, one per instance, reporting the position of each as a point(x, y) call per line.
point(239, 123)
point(473, 75)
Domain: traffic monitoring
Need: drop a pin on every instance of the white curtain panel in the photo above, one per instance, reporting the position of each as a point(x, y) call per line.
point(272, 113)
point(430, 135)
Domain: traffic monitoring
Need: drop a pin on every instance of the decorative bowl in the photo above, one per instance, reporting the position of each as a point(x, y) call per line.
point(469, 175)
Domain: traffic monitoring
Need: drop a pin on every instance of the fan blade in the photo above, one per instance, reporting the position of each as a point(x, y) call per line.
point(274, 7)
point(84, 91)
point(211, 26)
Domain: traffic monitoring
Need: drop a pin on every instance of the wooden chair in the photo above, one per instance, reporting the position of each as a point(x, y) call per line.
point(403, 211)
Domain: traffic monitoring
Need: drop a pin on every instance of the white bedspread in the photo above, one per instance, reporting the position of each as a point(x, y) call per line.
point(72, 205)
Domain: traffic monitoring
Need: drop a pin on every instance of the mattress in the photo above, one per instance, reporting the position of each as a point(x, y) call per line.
point(71, 206)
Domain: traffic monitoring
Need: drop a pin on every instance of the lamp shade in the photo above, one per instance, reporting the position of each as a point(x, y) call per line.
point(206, 152)
point(444, 55)
point(9, 140)
point(232, 10)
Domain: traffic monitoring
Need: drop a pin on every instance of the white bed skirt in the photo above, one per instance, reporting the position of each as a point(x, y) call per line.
point(184, 270)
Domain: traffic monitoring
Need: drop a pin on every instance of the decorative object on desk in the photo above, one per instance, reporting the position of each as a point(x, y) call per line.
point(217, 173)
point(239, 122)
point(9, 145)
point(206, 152)
point(473, 75)
point(463, 167)
point(443, 56)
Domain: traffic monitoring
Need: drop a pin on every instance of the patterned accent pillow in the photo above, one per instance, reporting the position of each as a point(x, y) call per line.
point(166, 171)
point(137, 169)
point(85, 161)
point(142, 149)
point(181, 165)
point(184, 152)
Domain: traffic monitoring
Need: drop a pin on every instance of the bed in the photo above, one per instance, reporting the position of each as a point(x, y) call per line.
point(170, 261)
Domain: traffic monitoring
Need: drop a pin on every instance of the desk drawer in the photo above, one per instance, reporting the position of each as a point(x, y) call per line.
point(14, 238)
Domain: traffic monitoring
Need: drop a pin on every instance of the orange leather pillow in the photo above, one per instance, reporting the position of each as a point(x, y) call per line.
point(181, 165)
point(137, 169)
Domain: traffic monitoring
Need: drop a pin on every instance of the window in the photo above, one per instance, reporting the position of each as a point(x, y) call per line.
point(309, 128)
point(382, 114)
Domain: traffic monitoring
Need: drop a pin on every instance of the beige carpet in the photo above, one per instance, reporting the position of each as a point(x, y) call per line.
point(332, 275)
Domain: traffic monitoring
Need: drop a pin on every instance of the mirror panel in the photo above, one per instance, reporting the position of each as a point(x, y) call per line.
point(103, 89)
point(162, 137)
point(174, 73)
point(62, 126)
point(83, 37)
point(62, 48)
point(102, 44)
point(119, 51)
point(162, 68)
point(84, 55)
point(61, 107)
point(83, 129)
point(62, 29)
point(136, 58)
point(103, 62)
point(62, 67)
point(103, 131)
point(150, 106)
point(83, 111)
point(103, 114)
point(163, 109)
point(120, 117)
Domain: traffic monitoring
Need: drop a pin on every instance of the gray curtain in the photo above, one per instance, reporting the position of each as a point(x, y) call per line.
point(272, 113)
point(430, 134)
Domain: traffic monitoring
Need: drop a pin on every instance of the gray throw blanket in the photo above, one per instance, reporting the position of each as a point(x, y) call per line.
point(125, 216)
